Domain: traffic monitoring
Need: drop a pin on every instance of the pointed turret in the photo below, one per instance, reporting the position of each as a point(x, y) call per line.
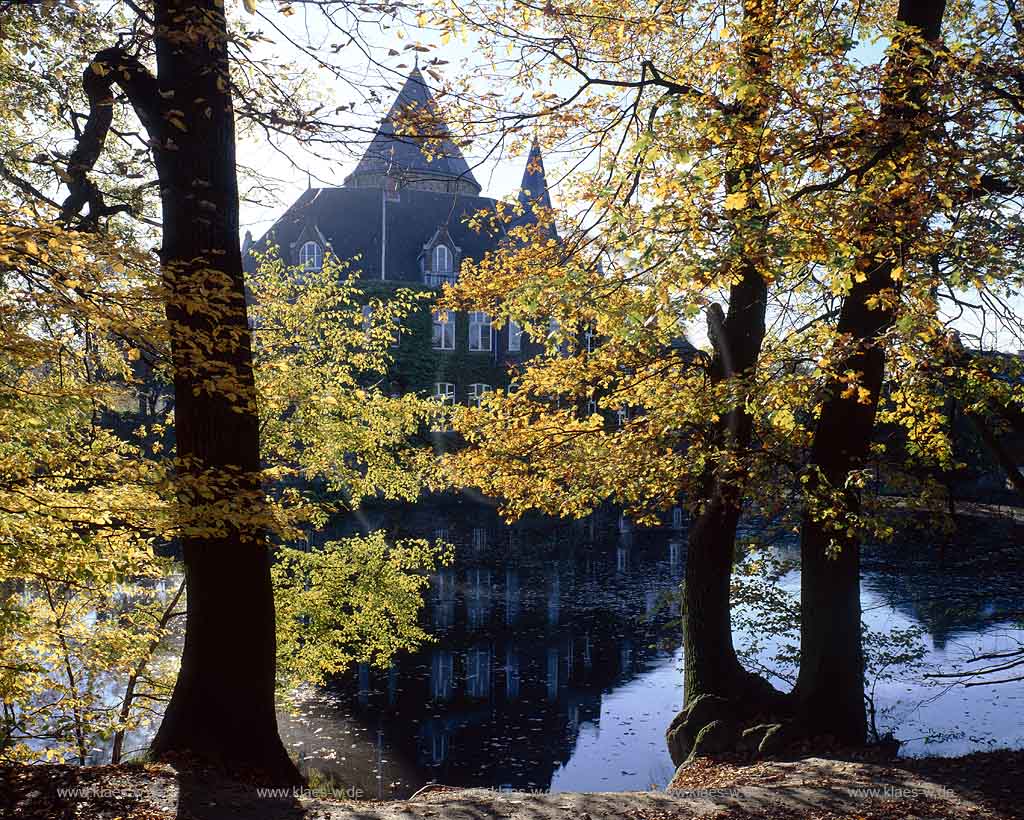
point(534, 187)
point(534, 197)
point(396, 156)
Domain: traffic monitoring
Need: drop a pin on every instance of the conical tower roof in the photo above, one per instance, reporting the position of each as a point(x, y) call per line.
point(413, 145)
point(534, 197)
point(534, 188)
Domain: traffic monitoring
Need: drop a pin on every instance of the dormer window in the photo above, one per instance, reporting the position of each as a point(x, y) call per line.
point(439, 261)
point(311, 256)
point(442, 260)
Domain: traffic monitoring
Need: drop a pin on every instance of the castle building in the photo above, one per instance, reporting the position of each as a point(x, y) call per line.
point(401, 220)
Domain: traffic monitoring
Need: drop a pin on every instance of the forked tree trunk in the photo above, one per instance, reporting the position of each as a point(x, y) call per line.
point(830, 686)
point(711, 666)
point(222, 708)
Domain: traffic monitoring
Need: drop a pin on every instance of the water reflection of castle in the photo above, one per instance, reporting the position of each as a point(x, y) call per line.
point(533, 625)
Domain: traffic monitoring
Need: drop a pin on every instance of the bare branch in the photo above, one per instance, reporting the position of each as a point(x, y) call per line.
point(112, 66)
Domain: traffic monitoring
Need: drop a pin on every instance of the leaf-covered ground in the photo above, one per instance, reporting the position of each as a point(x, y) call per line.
point(984, 786)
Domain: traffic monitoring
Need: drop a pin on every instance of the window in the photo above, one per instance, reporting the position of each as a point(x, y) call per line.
point(515, 336)
point(556, 337)
point(622, 416)
point(511, 673)
point(440, 267)
point(444, 331)
point(442, 259)
point(552, 673)
point(591, 407)
point(479, 331)
point(477, 392)
point(588, 338)
point(478, 672)
point(439, 748)
point(311, 257)
point(367, 318)
point(444, 393)
point(442, 677)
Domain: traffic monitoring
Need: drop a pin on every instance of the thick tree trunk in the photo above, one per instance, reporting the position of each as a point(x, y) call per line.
point(710, 662)
point(830, 687)
point(716, 688)
point(222, 709)
point(710, 665)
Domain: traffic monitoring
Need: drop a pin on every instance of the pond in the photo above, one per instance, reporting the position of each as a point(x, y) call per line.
point(556, 660)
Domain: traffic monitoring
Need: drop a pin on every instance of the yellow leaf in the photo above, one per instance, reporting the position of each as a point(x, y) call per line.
point(736, 201)
point(250, 6)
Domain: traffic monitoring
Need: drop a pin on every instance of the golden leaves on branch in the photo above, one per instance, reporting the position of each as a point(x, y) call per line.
point(762, 144)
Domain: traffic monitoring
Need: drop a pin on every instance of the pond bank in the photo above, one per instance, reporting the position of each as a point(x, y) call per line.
point(984, 785)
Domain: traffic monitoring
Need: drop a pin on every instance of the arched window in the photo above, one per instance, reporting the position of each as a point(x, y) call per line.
point(311, 257)
point(442, 259)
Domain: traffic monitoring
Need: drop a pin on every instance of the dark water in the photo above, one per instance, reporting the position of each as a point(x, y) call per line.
point(557, 662)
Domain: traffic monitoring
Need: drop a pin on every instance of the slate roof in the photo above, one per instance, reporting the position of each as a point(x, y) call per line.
point(355, 218)
point(534, 188)
point(416, 112)
point(350, 220)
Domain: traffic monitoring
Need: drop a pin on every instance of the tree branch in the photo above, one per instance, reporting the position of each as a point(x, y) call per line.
point(112, 66)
